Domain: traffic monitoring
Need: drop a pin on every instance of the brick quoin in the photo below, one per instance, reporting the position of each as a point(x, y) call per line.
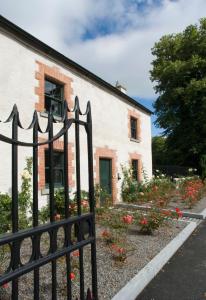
point(136, 115)
point(105, 152)
point(58, 145)
point(138, 157)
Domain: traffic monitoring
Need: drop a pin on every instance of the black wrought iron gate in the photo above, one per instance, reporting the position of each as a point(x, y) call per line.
point(14, 239)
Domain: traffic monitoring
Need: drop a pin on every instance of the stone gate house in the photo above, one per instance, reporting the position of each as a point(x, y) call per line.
point(35, 76)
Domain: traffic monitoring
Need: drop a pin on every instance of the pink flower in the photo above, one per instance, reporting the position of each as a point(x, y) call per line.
point(128, 219)
point(84, 203)
point(121, 250)
point(114, 247)
point(180, 214)
point(57, 217)
point(105, 234)
point(155, 188)
point(5, 285)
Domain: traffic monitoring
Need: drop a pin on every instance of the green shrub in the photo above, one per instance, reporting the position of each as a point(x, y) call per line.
point(24, 200)
point(25, 196)
point(102, 198)
point(59, 202)
point(130, 187)
point(5, 211)
point(59, 198)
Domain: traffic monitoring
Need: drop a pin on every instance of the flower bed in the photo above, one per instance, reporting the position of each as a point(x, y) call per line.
point(126, 242)
point(162, 192)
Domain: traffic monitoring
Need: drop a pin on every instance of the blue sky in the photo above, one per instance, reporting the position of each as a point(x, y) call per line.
point(111, 38)
point(148, 103)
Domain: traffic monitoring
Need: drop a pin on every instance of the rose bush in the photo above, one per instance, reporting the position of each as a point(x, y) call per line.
point(153, 219)
point(119, 253)
point(191, 191)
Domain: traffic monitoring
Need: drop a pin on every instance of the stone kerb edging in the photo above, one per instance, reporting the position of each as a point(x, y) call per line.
point(136, 285)
point(203, 213)
point(187, 214)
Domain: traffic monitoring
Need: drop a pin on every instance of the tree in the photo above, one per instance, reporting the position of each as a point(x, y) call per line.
point(159, 151)
point(179, 72)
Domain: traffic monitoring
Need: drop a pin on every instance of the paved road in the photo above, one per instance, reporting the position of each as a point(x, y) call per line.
point(184, 276)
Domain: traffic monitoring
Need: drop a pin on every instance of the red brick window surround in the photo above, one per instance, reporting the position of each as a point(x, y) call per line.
point(134, 115)
point(54, 74)
point(58, 145)
point(105, 152)
point(138, 157)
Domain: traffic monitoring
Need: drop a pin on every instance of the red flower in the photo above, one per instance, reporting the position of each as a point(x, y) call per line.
point(75, 253)
point(5, 285)
point(143, 221)
point(179, 213)
point(72, 276)
point(128, 219)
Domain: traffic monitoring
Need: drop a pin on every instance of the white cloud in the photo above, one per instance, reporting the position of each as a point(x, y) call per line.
point(122, 55)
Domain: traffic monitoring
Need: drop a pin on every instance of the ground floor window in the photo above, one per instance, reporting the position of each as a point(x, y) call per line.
point(58, 168)
point(135, 169)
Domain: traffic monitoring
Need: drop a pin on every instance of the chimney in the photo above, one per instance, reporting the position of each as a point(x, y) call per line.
point(120, 87)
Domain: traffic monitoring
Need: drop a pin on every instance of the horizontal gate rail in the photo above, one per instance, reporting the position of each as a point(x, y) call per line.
point(20, 235)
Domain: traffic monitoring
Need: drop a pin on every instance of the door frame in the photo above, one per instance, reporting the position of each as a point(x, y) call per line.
point(107, 154)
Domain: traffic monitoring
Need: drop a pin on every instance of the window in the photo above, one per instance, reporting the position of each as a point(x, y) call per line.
point(133, 126)
point(54, 97)
point(58, 168)
point(135, 169)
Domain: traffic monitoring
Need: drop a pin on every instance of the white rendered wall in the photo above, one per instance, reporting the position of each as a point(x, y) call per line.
point(109, 112)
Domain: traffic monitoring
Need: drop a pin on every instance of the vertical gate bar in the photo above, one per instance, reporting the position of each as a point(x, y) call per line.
point(92, 201)
point(52, 205)
point(67, 213)
point(15, 215)
point(78, 185)
point(78, 178)
point(35, 206)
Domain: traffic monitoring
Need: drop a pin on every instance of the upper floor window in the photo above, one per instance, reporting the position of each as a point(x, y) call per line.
point(54, 95)
point(58, 164)
point(133, 127)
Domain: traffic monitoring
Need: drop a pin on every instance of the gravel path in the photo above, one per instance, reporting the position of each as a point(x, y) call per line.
point(112, 276)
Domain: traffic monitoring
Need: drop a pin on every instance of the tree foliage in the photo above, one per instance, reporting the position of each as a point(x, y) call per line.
point(179, 73)
point(159, 150)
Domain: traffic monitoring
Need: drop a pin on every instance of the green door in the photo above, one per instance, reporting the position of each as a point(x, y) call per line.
point(105, 173)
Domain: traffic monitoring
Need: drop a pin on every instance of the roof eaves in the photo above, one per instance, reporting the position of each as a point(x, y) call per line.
point(22, 34)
